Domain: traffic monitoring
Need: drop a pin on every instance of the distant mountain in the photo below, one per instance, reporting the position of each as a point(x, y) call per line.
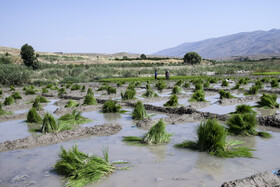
point(241, 44)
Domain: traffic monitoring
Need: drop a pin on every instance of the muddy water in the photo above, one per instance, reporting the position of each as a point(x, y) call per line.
point(11, 130)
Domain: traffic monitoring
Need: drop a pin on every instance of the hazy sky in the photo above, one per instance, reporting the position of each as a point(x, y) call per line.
point(140, 26)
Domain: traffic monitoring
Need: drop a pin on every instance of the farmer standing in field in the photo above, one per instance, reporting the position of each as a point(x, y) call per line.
point(167, 75)
point(155, 74)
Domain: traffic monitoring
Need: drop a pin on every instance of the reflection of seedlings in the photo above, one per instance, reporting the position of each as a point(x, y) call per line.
point(268, 101)
point(244, 124)
point(173, 102)
point(111, 107)
point(198, 96)
point(71, 103)
point(33, 116)
point(156, 135)
point(139, 112)
point(81, 169)
point(212, 139)
point(176, 90)
point(224, 94)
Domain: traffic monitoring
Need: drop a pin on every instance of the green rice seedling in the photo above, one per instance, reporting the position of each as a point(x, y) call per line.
point(139, 112)
point(45, 90)
point(156, 135)
point(173, 102)
point(150, 93)
point(259, 84)
point(265, 80)
point(33, 116)
point(71, 103)
point(179, 83)
point(68, 85)
point(243, 109)
point(50, 86)
point(89, 92)
point(243, 81)
point(111, 90)
point(148, 86)
point(2, 112)
point(49, 124)
point(212, 138)
point(131, 85)
point(236, 87)
point(61, 91)
point(176, 90)
point(101, 88)
point(69, 120)
point(83, 88)
point(198, 87)
point(36, 104)
point(244, 124)
point(197, 96)
point(111, 107)
point(90, 100)
point(42, 99)
point(75, 87)
point(160, 85)
point(129, 94)
point(253, 90)
point(12, 88)
point(30, 90)
point(9, 101)
point(137, 83)
point(206, 84)
point(268, 101)
point(16, 95)
point(81, 169)
point(224, 94)
point(225, 83)
point(187, 85)
point(120, 83)
point(213, 80)
point(197, 81)
point(274, 83)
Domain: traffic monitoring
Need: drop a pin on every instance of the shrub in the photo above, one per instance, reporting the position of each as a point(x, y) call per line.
point(176, 90)
point(71, 103)
point(13, 74)
point(224, 94)
point(129, 93)
point(33, 116)
point(268, 100)
point(197, 96)
point(9, 101)
point(198, 87)
point(192, 58)
point(49, 124)
point(111, 90)
point(274, 83)
point(75, 87)
point(45, 90)
point(81, 169)
point(28, 55)
point(173, 101)
point(225, 83)
point(211, 138)
point(139, 112)
point(111, 107)
point(160, 85)
point(16, 95)
point(90, 100)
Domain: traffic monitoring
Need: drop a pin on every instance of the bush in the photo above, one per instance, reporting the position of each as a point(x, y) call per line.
point(192, 58)
point(16, 95)
point(160, 85)
point(129, 93)
point(71, 103)
point(33, 116)
point(75, 87)
point(225, 83)
point(12, 74)
point(9, 101)
point(176, 90)
point(197, 96)
point(268, 100)
point(224, 94)
point(211, 138)
point(49, 124)
point(111, 107)
point(139, 112)
point(173, 102)
point(274, 83)
point(27, 55)
point(90, 100)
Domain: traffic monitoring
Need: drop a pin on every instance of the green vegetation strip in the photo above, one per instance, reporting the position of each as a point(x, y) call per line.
point(267, 73)
point(143, 79)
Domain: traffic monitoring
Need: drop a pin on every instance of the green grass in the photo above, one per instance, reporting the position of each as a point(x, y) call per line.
point(71, 103)
point(145, 79)
point(70, 120)
point(268, 101)
point(33, 116)
point(81, 169)
point(139, 112)
point(212, 138)
point(198, 96)
point(173, 102)
point(267, 73)
point(111, 107)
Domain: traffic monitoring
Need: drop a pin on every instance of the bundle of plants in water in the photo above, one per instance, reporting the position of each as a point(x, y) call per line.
point(243, 80)
point(244, 124)
point(173, 101)
point(236, 87)
point(9, 101)
point(36, 104)
point(176, 90)
point(111, 107)
point(42, 99)
point(45, 90)
point(50, 86)
point(206, 84)
point(81, 169)
point(74, 118)
point(265, 79)
point(225, 83)
point(2, 112)
point(104, 87)
point(61, 91)
point(68, 85)
point(90, 100)
point(274, 83)
point(213, 80)
point(187, 85)
point(12, 88)
point(129, 93)
point(160, 85)
point(253, 90)
point(139, 112)
point(224, 94)
point(179, 83)
point(268, 101)
point(111, 90)
point(198, 87)
point(16, 95)
point(75, 87)
point(156, 135)
point(197, 96)
point(243, 109)
point(259, 84)
point(83, 88)
point(30, 91)
point(89, 91)
point(150, 93)
point(212, 138)
point(49, 124)
point(33, 116)
point(71, 103)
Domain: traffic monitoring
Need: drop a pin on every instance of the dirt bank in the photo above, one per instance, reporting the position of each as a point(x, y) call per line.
point(260, 179)
point(53, 138)
point(238, 100)
point(273, 120)
point(86, 108)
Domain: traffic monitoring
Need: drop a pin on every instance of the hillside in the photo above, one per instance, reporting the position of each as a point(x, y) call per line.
point(261, 43)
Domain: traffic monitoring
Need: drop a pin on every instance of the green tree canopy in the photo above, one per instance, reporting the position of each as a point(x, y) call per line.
point(143, 56)
point(192, 58)
point(27, 55)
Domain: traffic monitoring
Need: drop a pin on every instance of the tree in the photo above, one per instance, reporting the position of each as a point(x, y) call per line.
point(143, 56)
point(28, 55)
point(192, 58)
